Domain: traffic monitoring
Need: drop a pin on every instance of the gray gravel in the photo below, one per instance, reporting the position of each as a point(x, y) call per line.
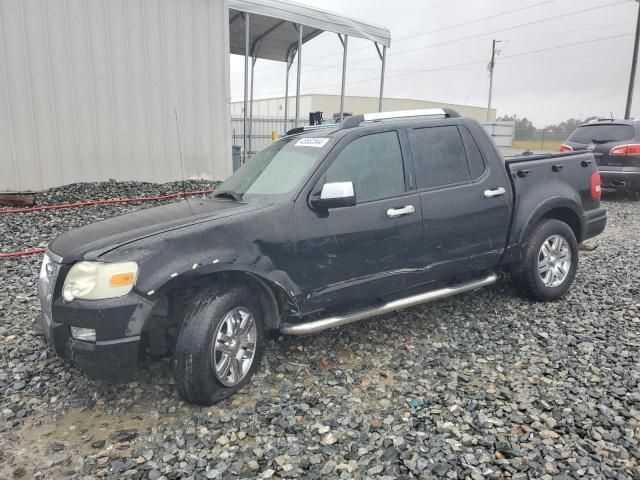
point(484, 385)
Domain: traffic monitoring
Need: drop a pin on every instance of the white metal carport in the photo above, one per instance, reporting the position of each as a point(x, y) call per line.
point(276, 30)
point(129, 90)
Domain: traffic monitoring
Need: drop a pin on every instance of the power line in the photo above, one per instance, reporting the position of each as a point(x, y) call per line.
point(448, 27)
point(488, 17)
point(557, 47)
point(477, 62)
point(473, 86)
point(565, 32)
point(400, 52)
point(428, 7)
point(573, 57)
point(534, 22)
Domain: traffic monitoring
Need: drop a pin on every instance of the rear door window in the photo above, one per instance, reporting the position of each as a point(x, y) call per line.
point(373, 163)
point(602, 134)
point(439, 157)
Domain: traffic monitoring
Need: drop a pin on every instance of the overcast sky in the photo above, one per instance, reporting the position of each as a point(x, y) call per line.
point(440, 50)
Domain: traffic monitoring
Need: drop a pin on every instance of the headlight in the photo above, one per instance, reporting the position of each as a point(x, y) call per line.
point(97, 281)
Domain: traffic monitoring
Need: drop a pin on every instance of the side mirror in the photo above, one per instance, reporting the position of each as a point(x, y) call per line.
point(334, 195)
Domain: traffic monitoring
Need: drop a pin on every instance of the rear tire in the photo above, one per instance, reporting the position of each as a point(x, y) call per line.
point(550, 261)
point(220, 344)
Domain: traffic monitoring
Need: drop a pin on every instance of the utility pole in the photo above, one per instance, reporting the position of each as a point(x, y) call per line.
point(634, 61)
point(492, 65)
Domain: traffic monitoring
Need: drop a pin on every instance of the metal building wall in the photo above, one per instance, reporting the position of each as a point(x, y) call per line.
point(98, 89)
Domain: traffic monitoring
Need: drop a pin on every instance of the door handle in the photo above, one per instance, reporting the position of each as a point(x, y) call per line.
point(399, 212)
point(495, 192)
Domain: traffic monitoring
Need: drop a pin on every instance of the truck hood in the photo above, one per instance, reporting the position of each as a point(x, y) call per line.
point(91, 241)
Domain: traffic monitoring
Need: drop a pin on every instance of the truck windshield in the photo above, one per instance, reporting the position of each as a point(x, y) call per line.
point(277, 169)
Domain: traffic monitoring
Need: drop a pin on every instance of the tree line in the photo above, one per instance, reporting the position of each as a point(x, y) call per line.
point(525, 130)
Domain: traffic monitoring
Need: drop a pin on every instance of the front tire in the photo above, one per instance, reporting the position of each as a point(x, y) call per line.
point(550, 261)
point(220, 344)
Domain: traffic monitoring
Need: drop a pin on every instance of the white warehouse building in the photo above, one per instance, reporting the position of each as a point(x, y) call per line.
point(330, 105)
point(269, 119)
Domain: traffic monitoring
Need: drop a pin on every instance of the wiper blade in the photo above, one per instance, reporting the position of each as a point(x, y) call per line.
point(229, 194)
point(603, 141)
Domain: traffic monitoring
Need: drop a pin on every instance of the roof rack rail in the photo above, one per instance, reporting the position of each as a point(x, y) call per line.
point(600, 119)
point(307, 128)
point(356, 120)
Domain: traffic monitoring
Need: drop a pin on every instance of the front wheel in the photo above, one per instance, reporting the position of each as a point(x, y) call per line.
point(219, 346)
point(550, 261)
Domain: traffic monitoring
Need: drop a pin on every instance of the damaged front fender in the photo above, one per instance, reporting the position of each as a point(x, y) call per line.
point(193, 254)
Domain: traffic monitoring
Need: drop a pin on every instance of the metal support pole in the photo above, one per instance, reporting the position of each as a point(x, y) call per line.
point(383, 58)
point(344, 72)
point(634, 61)
point(253, 65)
point(298, 79)
point(286, 96)
point(246, 87)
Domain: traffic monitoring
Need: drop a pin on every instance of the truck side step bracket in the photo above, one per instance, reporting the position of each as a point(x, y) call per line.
point(339, 320)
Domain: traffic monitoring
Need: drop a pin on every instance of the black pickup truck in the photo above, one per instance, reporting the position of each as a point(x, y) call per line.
point(323, 227)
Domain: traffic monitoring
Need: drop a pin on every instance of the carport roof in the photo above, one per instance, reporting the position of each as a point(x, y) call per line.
point(273, 34)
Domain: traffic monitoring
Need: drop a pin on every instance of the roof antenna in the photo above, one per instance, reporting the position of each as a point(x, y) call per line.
point(611, 115)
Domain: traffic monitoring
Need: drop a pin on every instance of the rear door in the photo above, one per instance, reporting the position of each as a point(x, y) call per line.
point(355, 254)
point(465, 201)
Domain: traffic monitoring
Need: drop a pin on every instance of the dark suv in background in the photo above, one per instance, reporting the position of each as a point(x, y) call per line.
point(616, 147)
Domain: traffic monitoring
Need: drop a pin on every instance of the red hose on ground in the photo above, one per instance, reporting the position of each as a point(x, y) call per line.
point(23, 252)
point(102, 202)
point(33, 251)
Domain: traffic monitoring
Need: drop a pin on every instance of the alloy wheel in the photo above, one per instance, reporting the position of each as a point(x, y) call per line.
point(234, 346)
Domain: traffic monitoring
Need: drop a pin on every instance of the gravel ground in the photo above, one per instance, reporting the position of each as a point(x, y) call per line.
point(483, 385)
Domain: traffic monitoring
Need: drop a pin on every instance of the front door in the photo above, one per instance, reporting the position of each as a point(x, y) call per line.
point(359, 253)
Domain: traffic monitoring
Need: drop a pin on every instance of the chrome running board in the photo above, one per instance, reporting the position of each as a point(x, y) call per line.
point(316, 326)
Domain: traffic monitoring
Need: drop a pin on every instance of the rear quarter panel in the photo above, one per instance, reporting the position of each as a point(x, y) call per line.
point(544, 184)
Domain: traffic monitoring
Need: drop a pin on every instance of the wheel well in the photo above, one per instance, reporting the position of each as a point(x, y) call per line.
point(272, 298)
point(567, 216)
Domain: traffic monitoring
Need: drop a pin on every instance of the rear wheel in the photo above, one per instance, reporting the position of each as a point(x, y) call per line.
point(220, 344)
point(550, 261)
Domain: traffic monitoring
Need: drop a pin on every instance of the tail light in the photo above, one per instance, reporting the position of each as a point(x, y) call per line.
point(596, 185)
point(566, 148)
point(631, 149)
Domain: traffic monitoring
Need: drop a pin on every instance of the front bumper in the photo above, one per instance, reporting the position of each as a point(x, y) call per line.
point(625, 178)
point(107, 359)
point(117, 323)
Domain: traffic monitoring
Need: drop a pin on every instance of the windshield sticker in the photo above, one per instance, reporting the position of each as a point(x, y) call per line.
point(312, 142)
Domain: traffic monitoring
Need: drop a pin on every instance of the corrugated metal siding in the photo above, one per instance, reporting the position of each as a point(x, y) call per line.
point(98, 89)
point(501, 132)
